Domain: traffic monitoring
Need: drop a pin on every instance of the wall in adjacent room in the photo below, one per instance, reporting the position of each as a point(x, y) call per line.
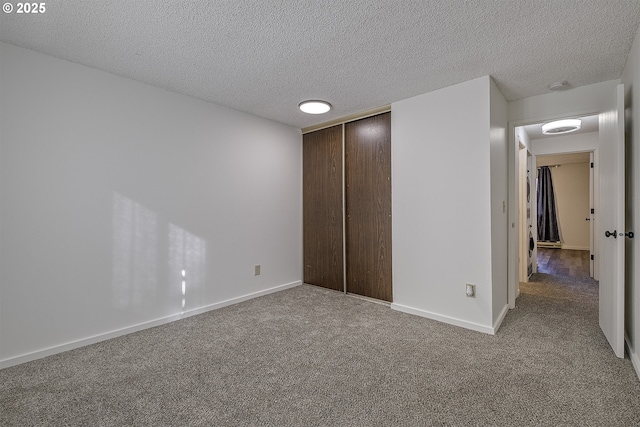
point(571, 185)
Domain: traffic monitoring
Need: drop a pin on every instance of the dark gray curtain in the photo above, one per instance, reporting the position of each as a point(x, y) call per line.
point(547, 219)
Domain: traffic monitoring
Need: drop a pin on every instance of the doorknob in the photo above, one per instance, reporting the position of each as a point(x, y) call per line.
point(629, 234)
point(609, 234)
point(587, 219)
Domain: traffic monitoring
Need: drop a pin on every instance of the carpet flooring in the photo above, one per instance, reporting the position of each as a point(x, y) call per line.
point(312, 357)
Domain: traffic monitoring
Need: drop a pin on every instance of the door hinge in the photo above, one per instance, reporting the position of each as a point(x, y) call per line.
point(593, 211)
point(591, 165)
point(592, 257)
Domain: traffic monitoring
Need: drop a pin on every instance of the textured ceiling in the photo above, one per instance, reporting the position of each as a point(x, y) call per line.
point(265, 56)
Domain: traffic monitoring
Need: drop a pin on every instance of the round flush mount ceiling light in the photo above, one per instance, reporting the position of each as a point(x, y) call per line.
point(314, 107)
point(561, 126)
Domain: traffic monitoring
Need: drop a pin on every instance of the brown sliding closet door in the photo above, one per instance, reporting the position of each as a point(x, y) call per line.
point(368, 206)
point(322, 208)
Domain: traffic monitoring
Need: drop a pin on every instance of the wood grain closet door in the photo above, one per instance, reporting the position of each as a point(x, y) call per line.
point(368, 206)
point(322, 208)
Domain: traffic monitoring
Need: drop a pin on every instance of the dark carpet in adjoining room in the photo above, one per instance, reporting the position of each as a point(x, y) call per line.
point(311, 357)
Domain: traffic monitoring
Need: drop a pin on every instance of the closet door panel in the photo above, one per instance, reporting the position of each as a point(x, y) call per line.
point(368, 206)
point(322, 208)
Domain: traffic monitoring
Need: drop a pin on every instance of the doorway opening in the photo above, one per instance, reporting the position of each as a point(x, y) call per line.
point(564, 191)
point(569, 163)
point(556, 183)
point(607, 145)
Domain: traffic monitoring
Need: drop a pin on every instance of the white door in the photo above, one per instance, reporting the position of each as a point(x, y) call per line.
point(611, 220)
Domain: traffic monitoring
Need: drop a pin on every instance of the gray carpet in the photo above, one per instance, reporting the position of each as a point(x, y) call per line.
point(312, 357)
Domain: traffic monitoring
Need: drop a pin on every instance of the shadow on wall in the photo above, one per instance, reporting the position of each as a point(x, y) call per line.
point(145, 249)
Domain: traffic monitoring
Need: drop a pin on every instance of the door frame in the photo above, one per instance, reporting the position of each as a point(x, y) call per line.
point(592, 219)
point(514, 217)
point(523, 255)
point(592, 191)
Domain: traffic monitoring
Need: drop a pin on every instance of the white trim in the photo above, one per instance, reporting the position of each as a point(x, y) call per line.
point(552, 245)
point(635, 358)
point(575, 248)
point(444, 319)
point(503, 314)
point(12, 361)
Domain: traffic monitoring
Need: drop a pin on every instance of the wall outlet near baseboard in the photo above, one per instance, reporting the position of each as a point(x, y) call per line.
point(471, 290)
point(256, 270)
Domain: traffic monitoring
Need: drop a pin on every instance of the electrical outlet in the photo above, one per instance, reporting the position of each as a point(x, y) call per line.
point(256, 270)
point(471, 290)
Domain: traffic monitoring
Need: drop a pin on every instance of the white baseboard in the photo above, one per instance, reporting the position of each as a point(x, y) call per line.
point(548, 244)
point(12, 361)
point(444, 319)
point(635, 358)
point(575, 248)
point(501, 316)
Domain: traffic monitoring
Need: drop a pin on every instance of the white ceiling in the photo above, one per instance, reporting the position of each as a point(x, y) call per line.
point(589, 124)
point(265, 56)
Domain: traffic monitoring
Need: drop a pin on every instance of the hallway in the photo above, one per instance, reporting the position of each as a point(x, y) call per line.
point(564, 274)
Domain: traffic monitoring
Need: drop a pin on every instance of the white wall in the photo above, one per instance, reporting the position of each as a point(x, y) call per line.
point(499, 196)
point(109, 188)
point(571, 185)
point(442, 204)
point(631, 80)
point(571, 143)
point(581, 100)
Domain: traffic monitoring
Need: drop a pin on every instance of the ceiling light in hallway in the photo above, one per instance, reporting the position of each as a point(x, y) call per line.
point(561, 126)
